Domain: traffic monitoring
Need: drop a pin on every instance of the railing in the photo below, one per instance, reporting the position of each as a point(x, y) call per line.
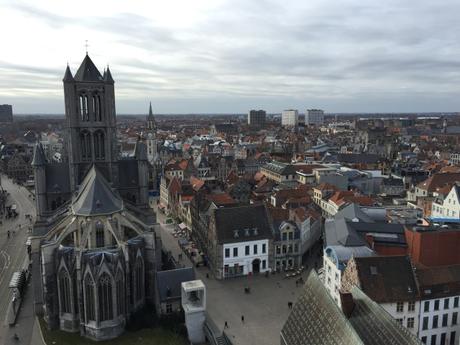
point(213, 333)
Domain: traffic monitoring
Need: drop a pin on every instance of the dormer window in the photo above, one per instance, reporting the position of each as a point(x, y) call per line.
point(236, 234)
point(246, 232)
point(255, 231)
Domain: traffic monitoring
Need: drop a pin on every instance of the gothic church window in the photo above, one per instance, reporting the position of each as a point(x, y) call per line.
point(105, 298)
point(120, 294)
point(99, 235)
point(139, 279)
point(97, 109)
point(85, 143)
point(90, 301)
point(64, 292)
point(84, 110)
point(99, 145)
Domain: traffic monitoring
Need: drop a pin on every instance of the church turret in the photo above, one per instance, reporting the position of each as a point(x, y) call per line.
point(68, 77)
point(39, 166)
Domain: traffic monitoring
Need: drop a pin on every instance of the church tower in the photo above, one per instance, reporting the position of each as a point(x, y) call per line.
point(152, 150)
point(91, 122)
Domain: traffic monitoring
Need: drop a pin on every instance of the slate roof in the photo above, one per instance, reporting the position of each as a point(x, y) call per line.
point(387, 279)
point(317, 320)
point(281, 168)
point(171, 280)
point(349, 233)
point(88, 71)
point(95, 196)
point(242, 223)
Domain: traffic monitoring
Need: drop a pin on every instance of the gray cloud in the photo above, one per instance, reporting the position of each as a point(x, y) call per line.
point(340, 56)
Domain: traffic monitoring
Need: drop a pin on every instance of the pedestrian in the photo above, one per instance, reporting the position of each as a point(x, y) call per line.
point(290, 305)
point(242, 318)
point(9, 234)
point(226, 325)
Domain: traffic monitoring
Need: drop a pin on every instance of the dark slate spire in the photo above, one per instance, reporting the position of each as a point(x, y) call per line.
point(95, 196)
point(150, 119)
point(108, 76)
point(39, 155)
point(88, 71)
point(68, 75)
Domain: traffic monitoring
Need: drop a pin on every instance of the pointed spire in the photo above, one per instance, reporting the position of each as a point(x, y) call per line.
point(108, 76)
point(88, 71)
point(39, 155)
point(150, 110)
point(68, 75)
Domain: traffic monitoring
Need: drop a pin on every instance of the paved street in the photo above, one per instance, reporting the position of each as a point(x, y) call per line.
point(265, 309)
point(12, 255)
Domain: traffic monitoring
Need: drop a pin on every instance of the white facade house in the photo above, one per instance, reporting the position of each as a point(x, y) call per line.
point(449, 208)
point(290, 118)
point(314, 117)
point(243, 258)
point(439, 321)
point(335, 259)
point(405, 313)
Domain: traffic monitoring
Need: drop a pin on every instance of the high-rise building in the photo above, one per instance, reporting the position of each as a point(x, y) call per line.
point(6, 113)
point(314, 117)
point(256, 118)
point(290, 118)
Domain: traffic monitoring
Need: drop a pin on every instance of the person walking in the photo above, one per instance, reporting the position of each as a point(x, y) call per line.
point(242, 318)
point(226, 325)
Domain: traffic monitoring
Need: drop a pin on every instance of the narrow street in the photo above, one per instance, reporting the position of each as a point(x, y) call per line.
point(13, 249)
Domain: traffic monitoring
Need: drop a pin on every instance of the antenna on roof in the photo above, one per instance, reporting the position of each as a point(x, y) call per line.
point(86, 46)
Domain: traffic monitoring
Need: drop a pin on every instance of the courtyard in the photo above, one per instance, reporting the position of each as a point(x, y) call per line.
point(265, 308)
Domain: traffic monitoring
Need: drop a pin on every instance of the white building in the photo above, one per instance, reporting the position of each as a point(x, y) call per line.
point(440, 305)
point(335, 259)
point(243, 258)
point(314, 117)
point(449, 208)
point(290, 118)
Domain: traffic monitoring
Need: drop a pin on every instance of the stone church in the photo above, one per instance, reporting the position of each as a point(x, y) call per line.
point(94, 247)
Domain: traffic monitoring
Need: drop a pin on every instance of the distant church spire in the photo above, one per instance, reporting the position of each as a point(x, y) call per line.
point(150, 110)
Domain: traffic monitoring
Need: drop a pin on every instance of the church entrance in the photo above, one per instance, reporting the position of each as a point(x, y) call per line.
point(256, 266)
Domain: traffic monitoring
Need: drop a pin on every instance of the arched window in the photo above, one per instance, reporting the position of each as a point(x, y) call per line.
point(97, 107)
point(120, 293)
point(105, 298)
point(85, 143)
point(99, 145)
point(90, 300)
point(139, 279)
point(84, 110)
point(100, 240)
point(65, 292)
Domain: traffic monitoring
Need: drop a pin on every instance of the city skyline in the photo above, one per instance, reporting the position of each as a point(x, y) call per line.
point(229, 57)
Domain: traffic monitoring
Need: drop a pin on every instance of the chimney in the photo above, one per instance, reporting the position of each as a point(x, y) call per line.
point(348, 304)
point(370, 240)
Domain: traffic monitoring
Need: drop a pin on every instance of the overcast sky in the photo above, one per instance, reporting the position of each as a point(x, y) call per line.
point(218, 56)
